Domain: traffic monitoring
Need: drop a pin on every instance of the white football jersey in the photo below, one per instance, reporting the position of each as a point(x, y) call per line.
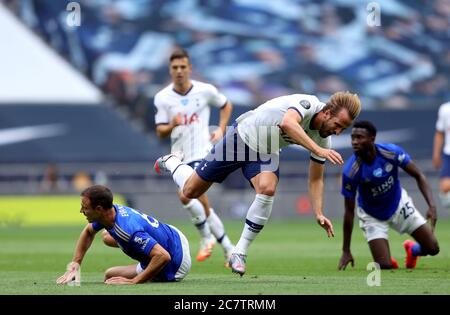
point(443, 125)
point(259, 129)
point(192, 137)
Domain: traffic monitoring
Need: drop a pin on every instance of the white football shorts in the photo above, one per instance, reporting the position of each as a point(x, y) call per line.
point(406, 219)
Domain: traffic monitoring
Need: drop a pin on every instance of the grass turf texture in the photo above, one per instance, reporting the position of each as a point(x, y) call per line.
point(292, 257)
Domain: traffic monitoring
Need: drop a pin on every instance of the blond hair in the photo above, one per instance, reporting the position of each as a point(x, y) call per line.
point(346, 100)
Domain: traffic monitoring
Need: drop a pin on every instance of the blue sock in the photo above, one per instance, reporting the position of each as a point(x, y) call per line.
point(416, 250)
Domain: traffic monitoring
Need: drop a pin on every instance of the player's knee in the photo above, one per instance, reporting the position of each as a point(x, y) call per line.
point(184, 200)
point(268, 190)
point(433, 249)
point(385, 265)
point(191, 192)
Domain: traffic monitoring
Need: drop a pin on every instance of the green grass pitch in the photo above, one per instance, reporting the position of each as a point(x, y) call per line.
point(293, 257)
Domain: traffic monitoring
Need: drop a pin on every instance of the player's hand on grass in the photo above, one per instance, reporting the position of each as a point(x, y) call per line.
point(72, 273)
point(119, 280)
point(326, 224)
point(346, 258)
point(432, 217)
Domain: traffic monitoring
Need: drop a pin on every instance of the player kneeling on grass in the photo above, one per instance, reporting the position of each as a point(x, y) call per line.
point(382, 203)
point(161, 249)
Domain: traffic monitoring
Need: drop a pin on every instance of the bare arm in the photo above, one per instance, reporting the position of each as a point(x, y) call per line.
point(291, 126)
point(83, 244)
point(164, 130)
point(412, 169)
point(349, 215)
point(315, 186)
point(225, 114)
point(159, 258)
point(437, 149)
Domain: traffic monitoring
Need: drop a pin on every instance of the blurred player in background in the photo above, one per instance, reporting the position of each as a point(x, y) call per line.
point(372, 171)
point(441, 153)
point(182, 112)
point(253, 145)
point(161, 249)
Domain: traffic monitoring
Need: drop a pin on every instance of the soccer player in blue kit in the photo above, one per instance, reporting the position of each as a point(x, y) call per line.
point(161, 249)
point(372, 171)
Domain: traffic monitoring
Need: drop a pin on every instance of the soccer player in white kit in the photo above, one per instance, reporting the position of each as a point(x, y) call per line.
point(441, 153)
point(182, 112)
point(253, 145)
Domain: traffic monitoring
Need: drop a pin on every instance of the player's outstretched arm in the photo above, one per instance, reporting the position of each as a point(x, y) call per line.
point(159, 259)
point(412, 169)
point(290, 126)
point(315, 185)
point(83, 244)
point(349, 215)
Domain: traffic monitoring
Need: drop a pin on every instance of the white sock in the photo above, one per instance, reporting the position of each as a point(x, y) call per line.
point(198, 217)
point(218, 230)
point(181, 172)
point(257, 216)
point(172, 163)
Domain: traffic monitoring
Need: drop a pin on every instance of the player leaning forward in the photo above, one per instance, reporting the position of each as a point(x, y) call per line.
point(253, 144)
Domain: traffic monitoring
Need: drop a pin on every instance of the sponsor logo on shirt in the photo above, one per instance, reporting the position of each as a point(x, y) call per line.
point(123, 212)
point(388, 167)
point(141, 241)
point(383, 188)
point(378, 172)
point(305, 104)
point(184, 101)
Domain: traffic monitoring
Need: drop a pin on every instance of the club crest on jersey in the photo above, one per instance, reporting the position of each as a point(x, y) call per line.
point(388, 167)
point(378, 172)
point(305, 104)
point(185, 101)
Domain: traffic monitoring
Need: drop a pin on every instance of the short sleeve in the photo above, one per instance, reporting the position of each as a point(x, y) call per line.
point(440, 122)
point(161, 113)
point(402, 157)
point(97, 226)
point(216, 99)
point(142, 243)
point(303, 107)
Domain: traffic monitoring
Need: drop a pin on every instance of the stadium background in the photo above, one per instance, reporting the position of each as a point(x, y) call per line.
point(79, 98)
point(76, 102)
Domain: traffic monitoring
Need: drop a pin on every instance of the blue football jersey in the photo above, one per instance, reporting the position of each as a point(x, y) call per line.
point(378, 186)
point(137, 233)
